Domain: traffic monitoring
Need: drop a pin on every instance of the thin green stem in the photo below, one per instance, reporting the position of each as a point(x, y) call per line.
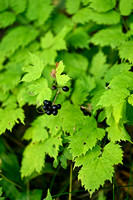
point(60, 194)
point(28, 189)
point(70, 185)
point(10, 181)
point(114, 185)
point(54, 177)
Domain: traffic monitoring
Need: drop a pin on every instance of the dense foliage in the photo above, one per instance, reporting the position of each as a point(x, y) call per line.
point(86, 45)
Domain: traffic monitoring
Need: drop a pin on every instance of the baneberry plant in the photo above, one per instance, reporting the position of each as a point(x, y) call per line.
point(73, 61)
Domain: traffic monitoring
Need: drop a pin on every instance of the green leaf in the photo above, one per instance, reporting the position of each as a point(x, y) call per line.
point(66, 155)
point(61, 79)
point(8, 118)
point(90, 155)
point(125, 79)
point(118, 111)
point(40, 10)
point(72, 6)
point(48, 56)
point(34, 69)
point(126, 7)
point(60, 21)
point(126, 51)
point(1, 198)
point(78, 38)
point(22, 34)
point(82, 88)
point(18, 6)
point(86, 14)
point(48, 40)
point(114, 156)
point(130, 99)
point(59, 41)
point(38, 151)
point(11, 76)
point(49, 197)
point(86, 137)
point(71, 116)
point(98, 66)
point(117, 132)
point(23, 97)
point(45, 121)
point(117, 69)
point(113, 97)
point(102, 5)
point(94, 173)
point(101, 196)
point(3, 5)
point(41, 89)
point(75, 64)
point(111, 36)
point(6, 19)
point(36, 133)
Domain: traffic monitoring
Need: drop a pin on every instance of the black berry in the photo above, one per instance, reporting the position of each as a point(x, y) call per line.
point(65, 89)
point(54, 107)
point(48, 103)
point(54, 87)
point(58, 106)
point(45, 107)
point(49, 112)
point(45, 102)
point(49, 107)
point(55, 112)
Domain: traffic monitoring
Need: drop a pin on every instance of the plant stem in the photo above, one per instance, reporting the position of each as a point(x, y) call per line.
point(28, 186)
point(56, 96)
point(54, 177)
point(10, 181)
point(114, 185)
point(70, 185)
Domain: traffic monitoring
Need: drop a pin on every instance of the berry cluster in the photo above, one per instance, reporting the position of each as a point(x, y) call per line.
point(51, 109)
